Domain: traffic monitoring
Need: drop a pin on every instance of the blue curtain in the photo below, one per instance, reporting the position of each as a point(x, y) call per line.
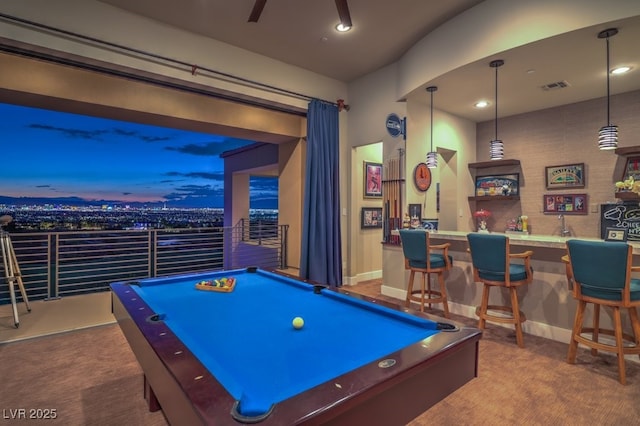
point(321, 255)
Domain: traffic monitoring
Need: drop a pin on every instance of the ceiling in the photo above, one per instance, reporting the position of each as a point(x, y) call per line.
point(577, 58)
point(302, 33)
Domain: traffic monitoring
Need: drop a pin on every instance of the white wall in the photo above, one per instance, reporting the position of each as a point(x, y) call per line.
point(104, 22)
point(454, 139)
point(495, 26)
point(367, 243)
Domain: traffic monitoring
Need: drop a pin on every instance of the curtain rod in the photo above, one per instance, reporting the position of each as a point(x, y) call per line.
point(192, 67)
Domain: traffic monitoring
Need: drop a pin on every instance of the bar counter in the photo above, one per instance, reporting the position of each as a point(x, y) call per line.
point(524, 239)
point(547, 302)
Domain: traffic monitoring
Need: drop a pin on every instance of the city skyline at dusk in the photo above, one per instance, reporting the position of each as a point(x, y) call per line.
point(55, 156)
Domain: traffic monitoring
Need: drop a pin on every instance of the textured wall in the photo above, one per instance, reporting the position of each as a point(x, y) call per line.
point(556, 136)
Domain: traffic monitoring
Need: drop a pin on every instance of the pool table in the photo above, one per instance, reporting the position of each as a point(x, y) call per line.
point(231, 355)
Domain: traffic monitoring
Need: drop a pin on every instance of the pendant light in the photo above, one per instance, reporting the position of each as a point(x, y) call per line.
point(496, 147)
point(432, 156)
point(608, 135)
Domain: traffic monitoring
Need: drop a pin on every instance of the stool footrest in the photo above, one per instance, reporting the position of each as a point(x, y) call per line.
point(500, 318)
point(630, 349)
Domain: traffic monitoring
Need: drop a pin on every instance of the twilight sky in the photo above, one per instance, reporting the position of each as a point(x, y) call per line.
point(47, 154)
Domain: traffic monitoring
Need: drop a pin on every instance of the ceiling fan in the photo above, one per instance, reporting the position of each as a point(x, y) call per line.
point(341, 5)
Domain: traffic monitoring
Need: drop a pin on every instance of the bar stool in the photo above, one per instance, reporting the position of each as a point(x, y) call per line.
point(601, 274)
point(491, 258)
point(419, 257)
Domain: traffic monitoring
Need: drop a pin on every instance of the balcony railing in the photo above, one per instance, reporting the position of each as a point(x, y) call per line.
point(55, 264)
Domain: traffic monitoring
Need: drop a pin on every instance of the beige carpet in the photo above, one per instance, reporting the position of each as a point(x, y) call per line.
point(89, 377)
point(55, 316)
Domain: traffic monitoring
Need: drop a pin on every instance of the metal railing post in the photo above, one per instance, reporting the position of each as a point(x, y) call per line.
point(284, 233)
point(54, 247)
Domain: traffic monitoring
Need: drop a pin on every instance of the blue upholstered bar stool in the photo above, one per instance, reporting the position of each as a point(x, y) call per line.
point(493, 267)
point(602, 276)
point(421, 256)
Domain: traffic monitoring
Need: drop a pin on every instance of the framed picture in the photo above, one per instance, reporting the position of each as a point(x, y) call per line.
point(430, 224)
point(565, 176)
point(415, 215)
point(504, 185)
point(372, 180)
point(371, 217)
point(415, 211)
point(632, 169)
point(565, 203)
point(616, 234)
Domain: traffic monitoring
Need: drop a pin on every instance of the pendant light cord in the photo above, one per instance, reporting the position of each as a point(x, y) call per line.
point(496, 64)
point(431, 150)
point(608, 90)
point(496, 105)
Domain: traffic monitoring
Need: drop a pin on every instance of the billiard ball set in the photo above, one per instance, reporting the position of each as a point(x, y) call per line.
point(224, 285)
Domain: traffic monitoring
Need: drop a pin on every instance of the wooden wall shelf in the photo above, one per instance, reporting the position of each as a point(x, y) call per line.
point(494, 163)
point(624, 195)
point(628, 150)
point(494, 198)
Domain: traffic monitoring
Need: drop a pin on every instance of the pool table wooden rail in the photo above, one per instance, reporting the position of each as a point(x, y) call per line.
point(176, 382)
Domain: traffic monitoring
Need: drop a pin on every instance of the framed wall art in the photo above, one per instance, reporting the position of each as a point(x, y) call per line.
point(616, 234)
point(371, 217)
point(415, 211)
point(415, 215)
point(372, 180)
point(430, 224)
point(565, 203)
point(565, 176)
point(632, 169)
point(492, 185)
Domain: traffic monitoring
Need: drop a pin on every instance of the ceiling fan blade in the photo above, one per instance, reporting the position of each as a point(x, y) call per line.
point(343, 12)
point(257, 10)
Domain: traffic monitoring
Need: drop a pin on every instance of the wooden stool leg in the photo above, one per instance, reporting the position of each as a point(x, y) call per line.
point(635, 325)
point(596, 326)
point(443, 292)
point(429, 288)
point(619, 343)
point(410, 289)
point(577, 326)
point(515, 308)
point(422, 294)
point(483, 307)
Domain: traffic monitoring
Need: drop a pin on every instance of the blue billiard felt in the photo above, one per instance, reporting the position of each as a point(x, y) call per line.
point(245, 338)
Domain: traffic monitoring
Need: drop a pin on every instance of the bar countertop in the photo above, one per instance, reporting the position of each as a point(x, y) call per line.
point(523, 239)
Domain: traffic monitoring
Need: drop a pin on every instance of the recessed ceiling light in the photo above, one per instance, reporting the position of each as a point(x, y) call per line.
point(481, 104)
point(620, 70)
point(342, 28)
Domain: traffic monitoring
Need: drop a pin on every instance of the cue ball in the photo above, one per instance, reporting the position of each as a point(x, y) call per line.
point(298, 323)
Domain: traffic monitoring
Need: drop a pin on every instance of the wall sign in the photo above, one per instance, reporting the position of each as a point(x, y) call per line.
point(620, 216)
point(565, 176)
point(422, 177)
point(395, 126)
